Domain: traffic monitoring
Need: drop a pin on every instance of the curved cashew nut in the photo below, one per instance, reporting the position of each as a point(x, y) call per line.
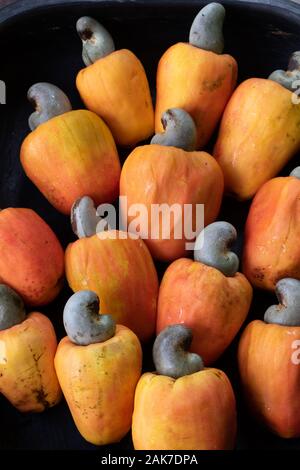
point(207, 28)
point(212, 248)
point(296, 172)
point(180, 130)
point(289, 78)
point(170, 354)
point(49, 101)
point(287, 313)
point(12, 310)
point(96, 40)
point(83, 323)
point(84, 218)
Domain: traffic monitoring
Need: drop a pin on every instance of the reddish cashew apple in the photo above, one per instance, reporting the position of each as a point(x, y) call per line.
point(259, 131)
point(197, 76)
point(114, 85)
point(27, 349)
point(269, 362)
point(208, 294)
point(169, 176)
point(183, 406)
point(115, 265)
point(98, 366)
point(272, 233)
point(68, 154)
point(27, 244)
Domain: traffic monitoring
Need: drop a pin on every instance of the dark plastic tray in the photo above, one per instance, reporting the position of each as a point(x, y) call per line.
point(38, 42)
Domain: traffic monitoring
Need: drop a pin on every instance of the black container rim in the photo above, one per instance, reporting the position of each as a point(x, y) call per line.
point(286, 8)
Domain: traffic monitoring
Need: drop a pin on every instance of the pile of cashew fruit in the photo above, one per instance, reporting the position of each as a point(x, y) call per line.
point(119, 304)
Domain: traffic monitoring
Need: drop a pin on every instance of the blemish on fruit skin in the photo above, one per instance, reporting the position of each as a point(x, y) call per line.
point(218, 374)
point(291, 332)
point(209, 85)
point(41, 397)
point(258, 274)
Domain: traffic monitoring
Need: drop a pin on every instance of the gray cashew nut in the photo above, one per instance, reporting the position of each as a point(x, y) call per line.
point(12, 310)
point(170, 352)
point(207, 28)
point(96, 40)
point(212, 248)
point(49, 101)
point(84, 218)
point(289, 78)
point(180, 130)
point(287, 313)
point(296, 172)
point(82, 321)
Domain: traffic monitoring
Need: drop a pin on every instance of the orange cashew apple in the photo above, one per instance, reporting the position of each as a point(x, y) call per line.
point(27, 349)
point(182, 406)
point(196, 76)
point(27, 244)
point(208, 294)
point(114, 85)
point(166, 178)
point(115, 265)
point(272, 233)
point(269, 361)
point(68, 153)
point(259, 131)
point(98, 366)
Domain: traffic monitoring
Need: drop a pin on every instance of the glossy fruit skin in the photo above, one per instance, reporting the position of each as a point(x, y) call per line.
point(199, 81)
point(27, 375)
point(195, 412)
point(123, 275)
point(27, 244)
point(116, 88)
point(212, 305)
point(272, 233)
point(270, 375)
point(259, 134)
point(154, 174)
point(98, 382)
point(70, 156)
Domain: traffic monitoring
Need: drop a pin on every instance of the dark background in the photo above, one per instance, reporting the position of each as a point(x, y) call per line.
point(38, 42)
